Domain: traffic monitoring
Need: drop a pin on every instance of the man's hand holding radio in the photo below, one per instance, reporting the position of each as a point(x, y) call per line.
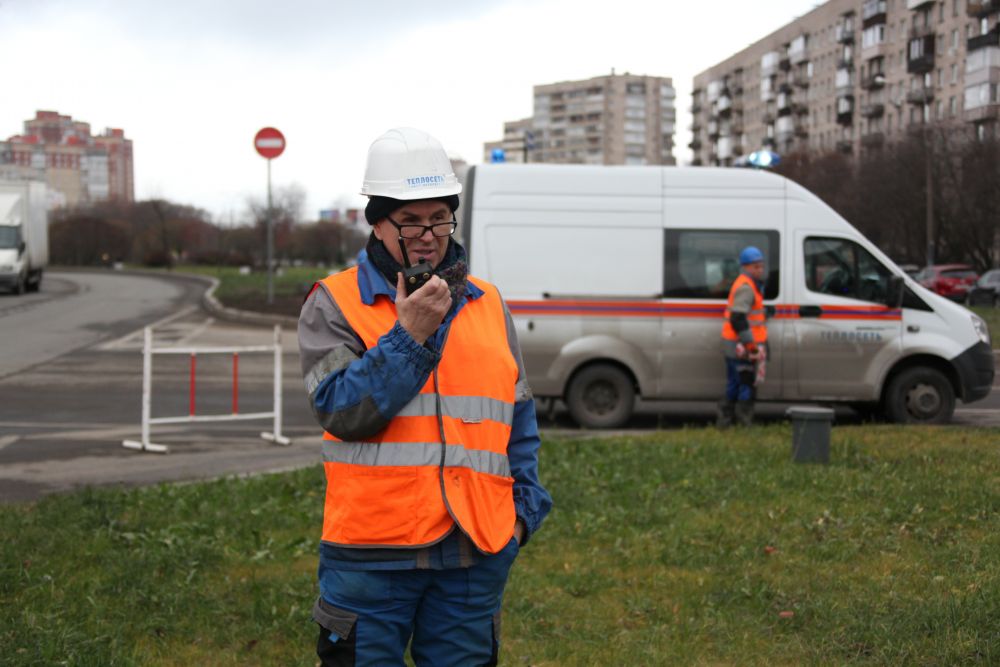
point(422, 312)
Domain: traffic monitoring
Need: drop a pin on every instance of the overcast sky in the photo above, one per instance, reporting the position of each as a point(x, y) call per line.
point(191, 82)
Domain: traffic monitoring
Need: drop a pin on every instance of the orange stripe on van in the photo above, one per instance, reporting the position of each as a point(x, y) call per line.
point(670, 309)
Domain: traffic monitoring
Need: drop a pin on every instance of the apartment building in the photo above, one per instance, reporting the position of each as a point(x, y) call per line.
point(849, 76)
point(613, 119)
point(78, 166)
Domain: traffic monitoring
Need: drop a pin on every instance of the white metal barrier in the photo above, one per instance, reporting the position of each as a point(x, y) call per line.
point(147, 390)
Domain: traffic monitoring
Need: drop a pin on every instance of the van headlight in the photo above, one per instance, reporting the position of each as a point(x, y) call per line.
point(983, 331)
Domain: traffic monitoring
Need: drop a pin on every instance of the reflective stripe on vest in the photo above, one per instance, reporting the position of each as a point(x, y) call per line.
point(756, 318)
point(403, 487)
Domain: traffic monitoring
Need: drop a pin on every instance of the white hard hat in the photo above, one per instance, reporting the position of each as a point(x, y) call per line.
point(405, 163)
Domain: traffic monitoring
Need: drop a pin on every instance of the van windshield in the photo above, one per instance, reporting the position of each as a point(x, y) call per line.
point(10, 237)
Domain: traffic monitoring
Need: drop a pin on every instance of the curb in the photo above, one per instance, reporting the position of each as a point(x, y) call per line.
point(215, 307)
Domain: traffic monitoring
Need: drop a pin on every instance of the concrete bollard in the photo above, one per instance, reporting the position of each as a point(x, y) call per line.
point(810, 433)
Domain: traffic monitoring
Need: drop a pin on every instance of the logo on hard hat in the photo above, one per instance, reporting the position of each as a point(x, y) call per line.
point(424, 180)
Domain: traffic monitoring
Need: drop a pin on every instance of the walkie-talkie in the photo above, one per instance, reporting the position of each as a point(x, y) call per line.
point(414, 276)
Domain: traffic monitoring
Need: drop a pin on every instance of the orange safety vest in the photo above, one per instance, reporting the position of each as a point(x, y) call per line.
point(403, 487)
point(755, 317)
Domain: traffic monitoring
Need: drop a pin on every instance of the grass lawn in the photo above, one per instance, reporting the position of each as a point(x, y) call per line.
point(249, 292)
point(689, 547)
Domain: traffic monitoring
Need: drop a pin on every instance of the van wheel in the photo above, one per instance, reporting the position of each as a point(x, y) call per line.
point(601, 396)
point(920, 395)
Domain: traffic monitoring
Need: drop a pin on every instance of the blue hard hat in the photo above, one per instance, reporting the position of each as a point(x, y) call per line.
point(750, 255)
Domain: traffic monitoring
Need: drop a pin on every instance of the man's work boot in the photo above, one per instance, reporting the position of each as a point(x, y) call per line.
point(744, 413)
point(724, 418)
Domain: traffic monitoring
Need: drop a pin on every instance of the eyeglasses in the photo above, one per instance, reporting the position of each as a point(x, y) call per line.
point(417, 231)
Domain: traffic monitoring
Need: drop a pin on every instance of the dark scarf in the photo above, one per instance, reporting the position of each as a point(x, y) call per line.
point(453, 269)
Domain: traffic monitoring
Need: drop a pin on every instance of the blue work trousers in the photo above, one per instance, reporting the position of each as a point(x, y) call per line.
point(451, 616)
point(739, 380)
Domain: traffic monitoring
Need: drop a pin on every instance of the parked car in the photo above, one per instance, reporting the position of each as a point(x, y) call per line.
point(952, 281)
point(986, 291)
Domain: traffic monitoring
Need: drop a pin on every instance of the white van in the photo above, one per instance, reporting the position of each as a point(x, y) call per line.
point(617, 278)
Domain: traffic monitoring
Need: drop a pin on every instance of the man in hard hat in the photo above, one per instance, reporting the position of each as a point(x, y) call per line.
point(431, 444)
point(744, 340)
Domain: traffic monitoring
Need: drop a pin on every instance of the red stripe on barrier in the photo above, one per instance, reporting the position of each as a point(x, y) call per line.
point(236, 383)
point(191, 391)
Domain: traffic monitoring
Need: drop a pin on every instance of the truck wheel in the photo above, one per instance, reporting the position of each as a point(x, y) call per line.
point(601, 396)
point(920, 395)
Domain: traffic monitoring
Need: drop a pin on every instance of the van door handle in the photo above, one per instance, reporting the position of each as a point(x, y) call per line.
point(810, 311)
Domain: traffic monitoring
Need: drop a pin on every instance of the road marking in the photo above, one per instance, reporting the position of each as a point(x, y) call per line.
point(197, 331)
point(8, 440)
point(134, 338)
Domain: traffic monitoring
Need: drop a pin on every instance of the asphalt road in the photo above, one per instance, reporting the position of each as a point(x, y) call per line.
point(71, 387)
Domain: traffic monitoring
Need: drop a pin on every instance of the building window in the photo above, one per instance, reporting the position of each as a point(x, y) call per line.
point(951, 106)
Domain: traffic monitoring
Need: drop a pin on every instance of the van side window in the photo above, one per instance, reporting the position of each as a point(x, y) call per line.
point(843, 268)
point(702, 264)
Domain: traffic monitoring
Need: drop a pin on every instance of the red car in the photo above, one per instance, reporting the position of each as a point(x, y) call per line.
point(952, 281)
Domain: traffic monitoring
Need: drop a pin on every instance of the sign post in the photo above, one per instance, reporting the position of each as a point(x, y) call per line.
point(270, 143)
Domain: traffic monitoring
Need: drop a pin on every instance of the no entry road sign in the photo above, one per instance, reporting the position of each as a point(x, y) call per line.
point(269, 142)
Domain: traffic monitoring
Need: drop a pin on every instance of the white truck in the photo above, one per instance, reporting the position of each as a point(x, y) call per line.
point(24, 235)
point(617, 279)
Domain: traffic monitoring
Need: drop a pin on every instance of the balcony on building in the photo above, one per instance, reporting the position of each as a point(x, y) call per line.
point(800, 78)
point(845, 145)
point(844, 32)
point(920, 54)
point(872, 12)
point(844, 82)
point(713, 129)
point(920, 96)
point(873, 110)
point(845, 110)
point(724, 106)
point(798, 51)
point(992, 38)
point(873, 81)
point(986, 113)
point(769, 63)
point(873, 140)
point(845, 62)
point(784, 104)
point(784, 128)
point(981, 8)
point(695, 144)
point(917, 4)
point(724, 149)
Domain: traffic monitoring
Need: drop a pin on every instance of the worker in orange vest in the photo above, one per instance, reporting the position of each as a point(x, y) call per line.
point(431, 444)
point(744, 340)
